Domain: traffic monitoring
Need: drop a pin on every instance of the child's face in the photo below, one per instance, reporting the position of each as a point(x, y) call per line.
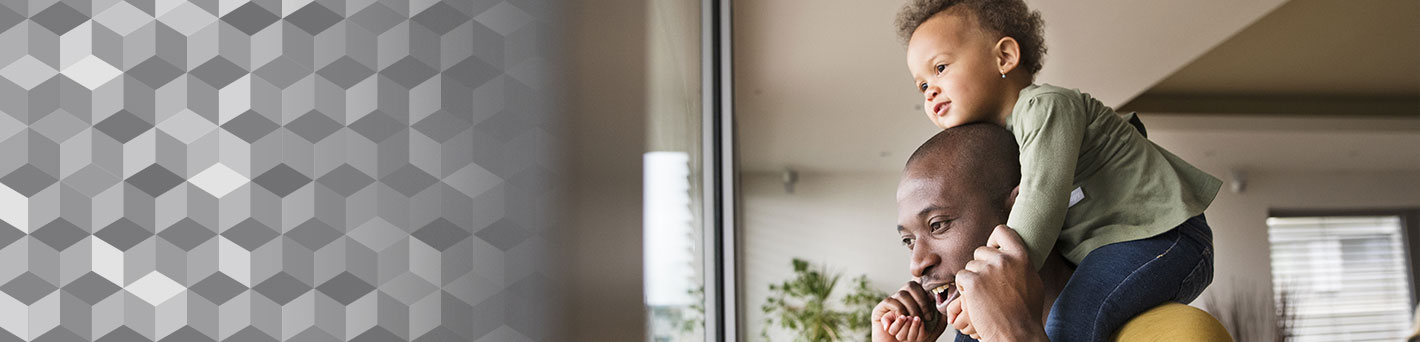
point(954, 66)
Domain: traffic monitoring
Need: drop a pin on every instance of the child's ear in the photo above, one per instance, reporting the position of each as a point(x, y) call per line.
point(1008, 54)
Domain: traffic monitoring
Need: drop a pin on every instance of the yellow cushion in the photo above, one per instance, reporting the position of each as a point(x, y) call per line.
point(1173, 322)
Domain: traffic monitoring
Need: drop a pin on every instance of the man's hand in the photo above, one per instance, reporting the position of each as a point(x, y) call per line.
point(1001, 291)
point(959, 318)
point(908, 315)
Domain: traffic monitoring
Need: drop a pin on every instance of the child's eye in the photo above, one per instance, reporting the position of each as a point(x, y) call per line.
point(922, 86)
point(941, 67)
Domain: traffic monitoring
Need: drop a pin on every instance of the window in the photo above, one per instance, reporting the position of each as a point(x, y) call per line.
point(672, 245)
point(684, 190)
point(687, 173)
point(1343, 278)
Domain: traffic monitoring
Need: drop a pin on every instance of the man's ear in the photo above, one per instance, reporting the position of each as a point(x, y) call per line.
point(1011, 199)
point(1008, 54)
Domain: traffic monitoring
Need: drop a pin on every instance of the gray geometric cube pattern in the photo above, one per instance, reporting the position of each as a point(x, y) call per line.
point(273, 170)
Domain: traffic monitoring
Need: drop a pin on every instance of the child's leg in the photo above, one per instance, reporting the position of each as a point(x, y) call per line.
point(1118, 281)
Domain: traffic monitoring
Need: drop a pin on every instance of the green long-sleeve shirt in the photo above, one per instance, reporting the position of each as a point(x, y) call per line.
point(1132, 189)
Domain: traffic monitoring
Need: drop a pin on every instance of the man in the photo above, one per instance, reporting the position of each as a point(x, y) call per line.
point(956, 190)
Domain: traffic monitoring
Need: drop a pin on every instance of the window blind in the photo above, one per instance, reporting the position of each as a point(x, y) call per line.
point(1345, 278)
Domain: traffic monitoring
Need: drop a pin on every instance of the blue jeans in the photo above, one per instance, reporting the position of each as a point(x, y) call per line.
point(1118, 281)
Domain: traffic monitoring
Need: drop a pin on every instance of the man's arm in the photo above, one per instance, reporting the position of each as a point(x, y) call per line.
point(1002, 292)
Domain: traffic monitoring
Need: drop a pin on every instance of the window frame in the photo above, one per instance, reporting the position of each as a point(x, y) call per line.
point(718, 150)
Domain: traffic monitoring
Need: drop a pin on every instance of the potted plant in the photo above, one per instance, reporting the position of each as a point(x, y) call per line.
point(805, 304)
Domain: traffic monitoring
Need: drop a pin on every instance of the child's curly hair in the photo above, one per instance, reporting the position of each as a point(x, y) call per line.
point(1005, 18)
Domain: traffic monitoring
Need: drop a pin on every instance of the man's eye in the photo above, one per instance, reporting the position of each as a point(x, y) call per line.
point(941, 67)
point(939, 225)
point(907, 242)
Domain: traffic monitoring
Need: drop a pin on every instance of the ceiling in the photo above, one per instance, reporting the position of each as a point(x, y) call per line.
point(822, 88)
point(1313, 48)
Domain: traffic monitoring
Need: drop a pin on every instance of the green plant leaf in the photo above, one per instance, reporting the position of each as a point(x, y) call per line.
point(805, 305)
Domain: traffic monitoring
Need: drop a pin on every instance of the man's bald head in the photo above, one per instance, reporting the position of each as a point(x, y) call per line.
point(982, 155)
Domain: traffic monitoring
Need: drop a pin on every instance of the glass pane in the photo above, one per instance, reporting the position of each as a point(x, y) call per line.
point(673, 175)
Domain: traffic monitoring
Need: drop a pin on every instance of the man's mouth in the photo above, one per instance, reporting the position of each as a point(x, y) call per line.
point(944, 295)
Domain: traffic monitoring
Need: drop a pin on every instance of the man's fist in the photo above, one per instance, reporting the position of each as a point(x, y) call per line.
point(1001, 290)
point(908, 315)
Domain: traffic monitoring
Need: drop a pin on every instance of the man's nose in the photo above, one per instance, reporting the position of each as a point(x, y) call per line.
point(922, 261)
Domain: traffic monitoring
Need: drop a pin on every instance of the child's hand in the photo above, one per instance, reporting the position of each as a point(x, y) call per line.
point(908, 315)
point(894, 328)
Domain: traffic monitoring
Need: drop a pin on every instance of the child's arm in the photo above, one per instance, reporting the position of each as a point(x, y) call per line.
point(1051, 127)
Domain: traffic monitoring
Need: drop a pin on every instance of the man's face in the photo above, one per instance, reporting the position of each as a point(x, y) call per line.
point(942, 220)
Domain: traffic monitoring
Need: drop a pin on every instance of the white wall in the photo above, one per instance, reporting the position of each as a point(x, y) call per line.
point(847, 220)
point(1239, 219)
point(1243, 263)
